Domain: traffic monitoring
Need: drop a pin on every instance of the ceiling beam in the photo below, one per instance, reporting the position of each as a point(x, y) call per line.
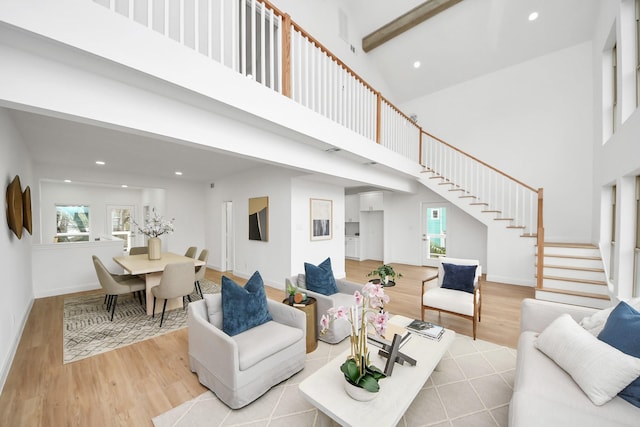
point(415, 16)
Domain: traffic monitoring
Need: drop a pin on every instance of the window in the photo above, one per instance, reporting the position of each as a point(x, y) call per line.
point(435, 213)
point(72, 223)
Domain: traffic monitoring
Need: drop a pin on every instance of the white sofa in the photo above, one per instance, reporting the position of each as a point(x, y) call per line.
point(341, 328)
point(544, 394)
point(241, 368)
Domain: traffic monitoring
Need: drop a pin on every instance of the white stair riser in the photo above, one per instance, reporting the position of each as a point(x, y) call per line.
point(559, 250)
point(572, 299)
point(573, 262)
point(575, 286)
point(574, 274)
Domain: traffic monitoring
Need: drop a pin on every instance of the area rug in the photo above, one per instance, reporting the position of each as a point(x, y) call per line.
point(88, 330)
point(472, 386)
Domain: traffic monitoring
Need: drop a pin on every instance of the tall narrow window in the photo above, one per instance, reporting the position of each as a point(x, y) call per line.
point(614, 83)
point(637, 10)
point(613, 232)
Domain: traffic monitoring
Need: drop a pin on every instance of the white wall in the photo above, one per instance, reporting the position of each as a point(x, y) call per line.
point(303, 249)
point(532, 121)
point(15, 262)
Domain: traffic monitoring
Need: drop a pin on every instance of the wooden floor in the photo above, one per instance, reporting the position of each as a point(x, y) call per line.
point(133, 384)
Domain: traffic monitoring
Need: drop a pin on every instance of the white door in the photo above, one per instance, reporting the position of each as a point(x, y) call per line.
point(227, 237)
point(119, 224)
point(433, 232)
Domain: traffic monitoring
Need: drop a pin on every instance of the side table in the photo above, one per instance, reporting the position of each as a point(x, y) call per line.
point(309, 309)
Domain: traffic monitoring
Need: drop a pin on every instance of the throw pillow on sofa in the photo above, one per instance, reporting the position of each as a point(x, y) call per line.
point(596, 321)
point(459, 277)
point(600, 370)
point(243, 308)
point(320, 278)
point(622, 331)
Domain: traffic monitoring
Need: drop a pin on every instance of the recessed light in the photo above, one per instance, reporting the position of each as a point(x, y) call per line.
point(124, 186)
point(533, 16)
point(416, 64)
point(100, 162)
point(371, 163)
point(67, 180)
point(178, 173)
point(333, 150)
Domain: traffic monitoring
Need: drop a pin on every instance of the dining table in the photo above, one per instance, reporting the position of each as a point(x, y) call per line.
point(152, 270)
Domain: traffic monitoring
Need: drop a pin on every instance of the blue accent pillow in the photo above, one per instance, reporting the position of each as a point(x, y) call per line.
point(320, 279)
point(459, 277)
point(622, 331)
point(243, 308)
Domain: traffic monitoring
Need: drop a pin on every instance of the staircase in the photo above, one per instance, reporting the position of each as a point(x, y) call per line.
point(573, 273)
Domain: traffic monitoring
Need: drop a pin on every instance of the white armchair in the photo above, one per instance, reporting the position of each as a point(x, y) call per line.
point(241, 368)
point(465, 303)
point(341, 328)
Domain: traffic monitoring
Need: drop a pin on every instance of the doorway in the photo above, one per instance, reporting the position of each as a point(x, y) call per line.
point(119, 224)
point(433, 232)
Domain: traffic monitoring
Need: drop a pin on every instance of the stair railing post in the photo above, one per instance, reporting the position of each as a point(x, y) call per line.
point(540, 241)
point(286, 55)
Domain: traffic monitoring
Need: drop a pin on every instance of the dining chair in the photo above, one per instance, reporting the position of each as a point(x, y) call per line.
point(201, 270)
point(176, 281)
point(139, 250)
point(191, 252)
point(117, 284)
point(455, 289)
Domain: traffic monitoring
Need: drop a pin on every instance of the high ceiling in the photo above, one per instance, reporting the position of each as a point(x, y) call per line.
point(470, 39)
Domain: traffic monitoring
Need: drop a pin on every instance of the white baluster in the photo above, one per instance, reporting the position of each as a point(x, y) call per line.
point(263, 50)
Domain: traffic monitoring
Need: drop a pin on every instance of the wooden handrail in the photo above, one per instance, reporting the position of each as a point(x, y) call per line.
point(481, 162)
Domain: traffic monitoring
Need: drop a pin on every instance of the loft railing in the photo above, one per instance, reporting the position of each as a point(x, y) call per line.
point(261, 42)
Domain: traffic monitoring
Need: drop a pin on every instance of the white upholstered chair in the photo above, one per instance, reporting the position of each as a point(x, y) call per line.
point(191, 252)
point(200, 271)
point(117, 284)
point(241, 368)
point(461, 275)
point(176, 281)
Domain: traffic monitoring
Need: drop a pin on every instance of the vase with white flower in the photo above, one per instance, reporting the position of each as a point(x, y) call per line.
point(366, 314)
point(153, 228)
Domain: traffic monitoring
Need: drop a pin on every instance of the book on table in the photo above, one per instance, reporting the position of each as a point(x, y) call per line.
point(426, 329)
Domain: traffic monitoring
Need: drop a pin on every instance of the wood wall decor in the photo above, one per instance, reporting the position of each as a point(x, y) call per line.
point(26, 210)
point(14, 207)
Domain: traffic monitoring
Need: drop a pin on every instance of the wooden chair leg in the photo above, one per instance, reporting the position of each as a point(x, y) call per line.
point(164, 306)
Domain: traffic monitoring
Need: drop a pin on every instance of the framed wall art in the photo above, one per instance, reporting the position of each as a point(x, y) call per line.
point(259, 219)
point(321, 219)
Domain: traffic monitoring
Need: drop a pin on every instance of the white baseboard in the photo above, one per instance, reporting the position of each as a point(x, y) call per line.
point(69, 290)
point(511, 280)
point(14, 347)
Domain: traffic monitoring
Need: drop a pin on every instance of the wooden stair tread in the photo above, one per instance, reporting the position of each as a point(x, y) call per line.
point(436, 177)
point(446, 183)
point(503, 219)
point(583, 257)
point(490, 211)
point(468, 197)
point(575, 293)
point(529, 235)
point(516, 226)
point(571, 279)
point(456, 189)
point(570, 245)
point(566, 267)
point(479, 204)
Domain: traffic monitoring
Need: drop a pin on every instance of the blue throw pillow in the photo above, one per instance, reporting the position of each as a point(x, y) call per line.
point(459, 277)
point(622, 331)
point(243, 308)
point(320, 279)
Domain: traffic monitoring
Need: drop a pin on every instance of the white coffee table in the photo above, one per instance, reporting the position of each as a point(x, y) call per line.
point(325, 388)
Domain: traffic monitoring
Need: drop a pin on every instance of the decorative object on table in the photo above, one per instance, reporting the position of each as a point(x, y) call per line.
point(14, 207)
point(291, 290)
point(259, 219)
point(321, 214)
point(155, 227)
point(357, 369)
point(386, 274)
point(26, 210)
point(393, 355)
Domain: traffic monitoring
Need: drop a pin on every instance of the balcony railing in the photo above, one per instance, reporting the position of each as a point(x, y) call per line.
point(261, 42)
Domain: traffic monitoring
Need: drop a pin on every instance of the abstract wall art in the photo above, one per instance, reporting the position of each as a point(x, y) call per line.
point(259, 218)
point(321, 219)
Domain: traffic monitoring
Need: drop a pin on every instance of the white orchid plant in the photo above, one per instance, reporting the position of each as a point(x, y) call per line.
point(155, 226)
point(368, 311)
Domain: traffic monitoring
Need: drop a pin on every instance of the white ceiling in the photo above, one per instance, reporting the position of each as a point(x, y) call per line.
point(470, 39)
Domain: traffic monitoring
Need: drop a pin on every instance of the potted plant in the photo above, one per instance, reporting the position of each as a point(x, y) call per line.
point(386, 273)
point(361, 377)
point(291, 291)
